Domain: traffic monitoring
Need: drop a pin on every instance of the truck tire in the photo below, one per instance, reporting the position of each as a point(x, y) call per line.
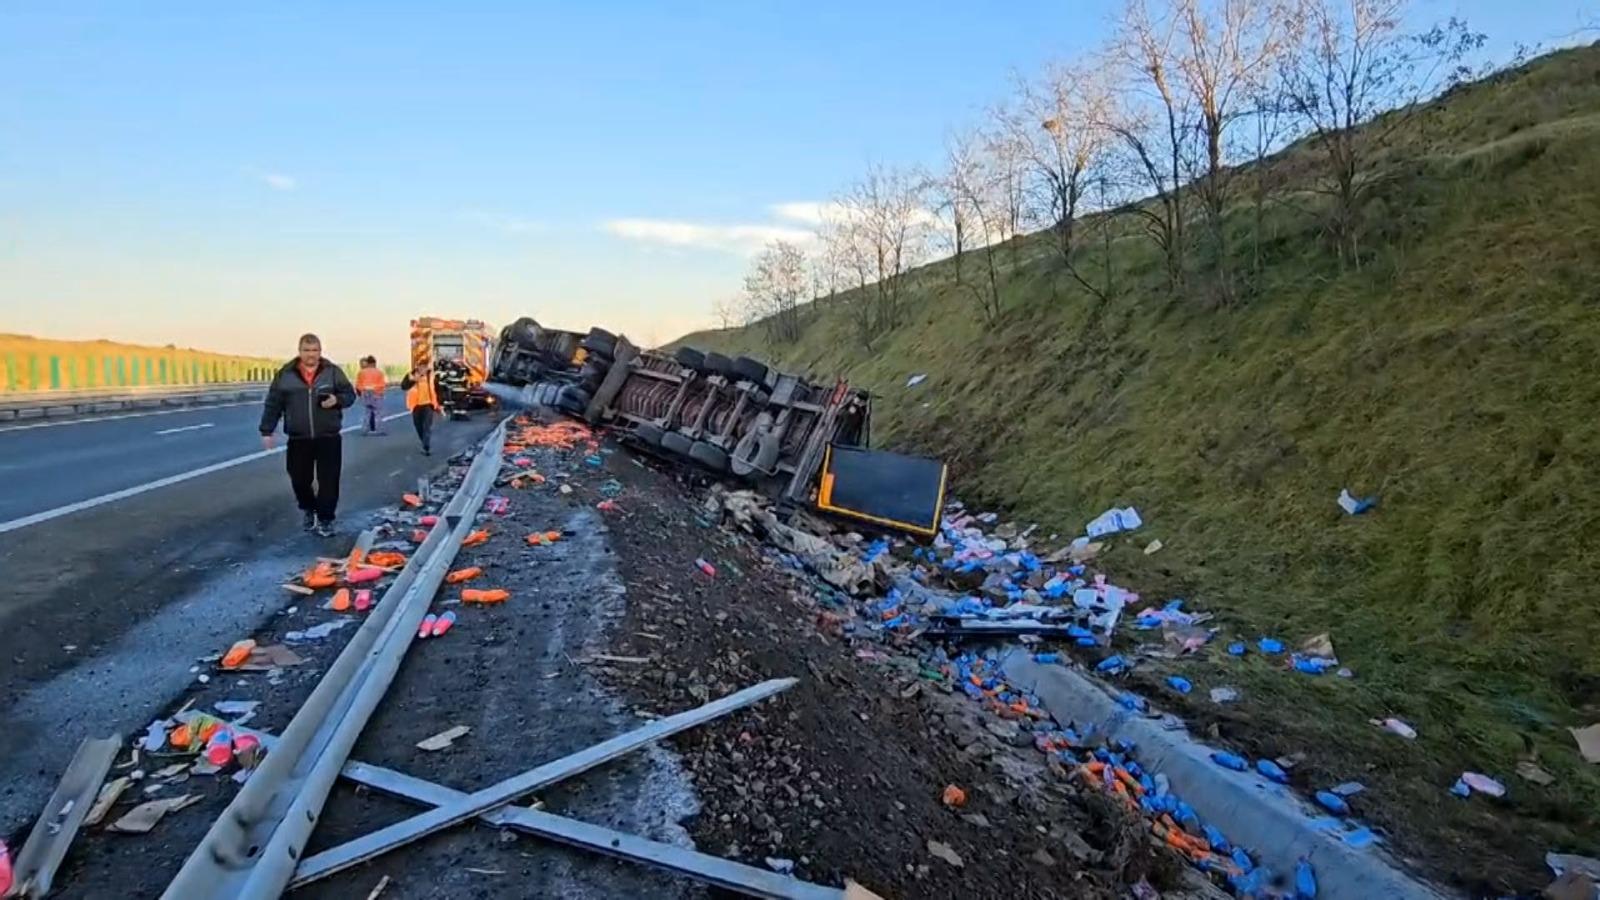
point(755, 454)
point(709, 455)
point(690, 358)
point(524, 332)
point(716, 364)
point(747, 369)
point(674, 442)
point(649, 433)
point(590, 376)
point(573, 400)
point(600, 341)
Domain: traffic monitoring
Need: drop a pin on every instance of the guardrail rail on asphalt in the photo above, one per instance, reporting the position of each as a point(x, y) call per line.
point(252, 849)
point(59, 404)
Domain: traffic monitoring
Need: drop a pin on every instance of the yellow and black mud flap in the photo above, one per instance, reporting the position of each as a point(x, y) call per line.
point(892, 490)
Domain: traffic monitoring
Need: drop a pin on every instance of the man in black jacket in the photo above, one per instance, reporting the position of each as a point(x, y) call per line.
point(310, 395)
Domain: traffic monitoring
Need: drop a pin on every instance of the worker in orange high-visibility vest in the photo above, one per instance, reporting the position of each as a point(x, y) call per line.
point(370, 384)
point(422, 398)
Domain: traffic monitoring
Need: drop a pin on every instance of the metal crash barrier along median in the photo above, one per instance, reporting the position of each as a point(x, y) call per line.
point(251, 851)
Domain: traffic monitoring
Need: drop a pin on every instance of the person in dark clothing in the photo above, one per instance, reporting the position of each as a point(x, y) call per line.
point(310, 394)
point(422, 398)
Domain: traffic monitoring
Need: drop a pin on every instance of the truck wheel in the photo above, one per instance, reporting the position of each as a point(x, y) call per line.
point(717, 364)
point(600, 341)
point(674, 442)
point(525, 331)
point(690, 358)
point(649, 433)
point(755, 454)
point(747, 369)
point(573, 400)
point(709, 455)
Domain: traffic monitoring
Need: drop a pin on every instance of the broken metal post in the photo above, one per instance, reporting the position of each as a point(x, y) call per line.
point(63, 813)
point(712, 870)
point(472, 805)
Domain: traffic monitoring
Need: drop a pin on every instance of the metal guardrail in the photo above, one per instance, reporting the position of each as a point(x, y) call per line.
point(52, 404)
point(252, 849)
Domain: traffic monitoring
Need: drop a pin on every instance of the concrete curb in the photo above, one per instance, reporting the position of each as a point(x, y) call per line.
point(1269, 819)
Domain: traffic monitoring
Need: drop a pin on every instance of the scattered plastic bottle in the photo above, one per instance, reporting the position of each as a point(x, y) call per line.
point(1229, 760)
point(364, 575)
point(426, 630)
point(1132, 701)
point(1270, 646)
point(247, 750)
point(708, 568)
point(443, 623)
point(428, 521)
point(238, 653)
point(219, 747)
point(1305, 880)
point(341, 600)
point(1333, 803)
point(1218, 841)
point(1272, 771)
point(363, 600)
point(1179, 684)
point(466, 574)
point(1313, 665)
point(1114, 663)
point(1236, 648)
point(492, 595)
point(1047, 657)
point(5, 869)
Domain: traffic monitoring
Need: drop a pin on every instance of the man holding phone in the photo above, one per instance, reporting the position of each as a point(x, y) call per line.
point(310, 394)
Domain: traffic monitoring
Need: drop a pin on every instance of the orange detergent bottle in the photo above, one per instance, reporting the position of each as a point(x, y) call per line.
point(466, 574)
point(238, 653)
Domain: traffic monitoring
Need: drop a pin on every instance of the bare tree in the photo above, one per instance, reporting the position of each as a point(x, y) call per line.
point(946, 190)
point(1152, 121)
point(886, 212)
point(1353, 67)
point(1272, 122)
point(1065, 129)
point(1226, 50)
point(972, 189)
point(1005, 157)
point(775, 286)
point(730, 311)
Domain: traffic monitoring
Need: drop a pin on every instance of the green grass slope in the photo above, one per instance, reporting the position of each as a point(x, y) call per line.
point(1456, 375)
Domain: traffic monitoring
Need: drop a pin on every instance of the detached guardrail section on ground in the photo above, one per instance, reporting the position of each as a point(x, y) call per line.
point(62, 404)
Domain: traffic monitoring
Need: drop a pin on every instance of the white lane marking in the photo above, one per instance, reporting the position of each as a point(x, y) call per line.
point(187, 428)
point(90, 420)
point(159, 483)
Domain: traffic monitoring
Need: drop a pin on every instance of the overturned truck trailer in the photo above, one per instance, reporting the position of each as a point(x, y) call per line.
point(803, 443)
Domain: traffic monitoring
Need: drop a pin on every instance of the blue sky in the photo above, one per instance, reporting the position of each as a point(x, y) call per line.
point(230, 178)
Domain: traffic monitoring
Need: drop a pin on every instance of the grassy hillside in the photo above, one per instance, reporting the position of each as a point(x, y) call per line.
point(1456, 375)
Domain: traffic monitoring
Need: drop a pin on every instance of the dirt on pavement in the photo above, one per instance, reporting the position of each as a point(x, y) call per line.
point(845, 774)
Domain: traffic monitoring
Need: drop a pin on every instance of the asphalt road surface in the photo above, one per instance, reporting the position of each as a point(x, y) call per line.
point(49, 466)
point(131, 545)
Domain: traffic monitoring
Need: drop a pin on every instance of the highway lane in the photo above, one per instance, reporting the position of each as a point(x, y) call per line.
point(104, 611)
point(50, 466)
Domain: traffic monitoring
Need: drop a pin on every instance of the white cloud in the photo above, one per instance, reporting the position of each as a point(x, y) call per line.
point(810, 212)
point(278, 181)
point(505, 223)
point(745, 239)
